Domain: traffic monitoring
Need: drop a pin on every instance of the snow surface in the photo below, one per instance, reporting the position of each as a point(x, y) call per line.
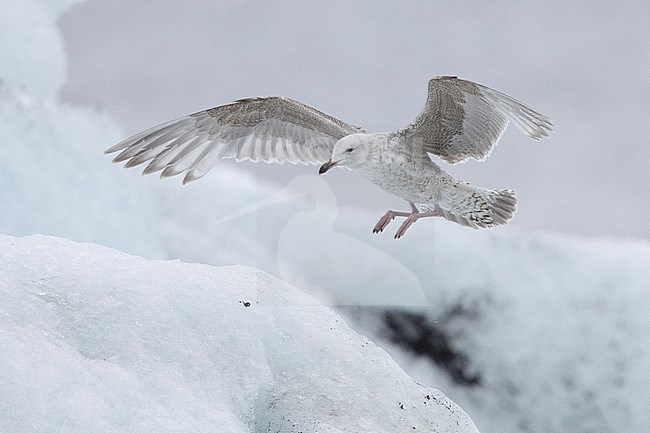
point(556, 326)
point(94, 340)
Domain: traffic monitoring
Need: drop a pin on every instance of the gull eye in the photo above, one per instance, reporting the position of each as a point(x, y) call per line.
point(349, 150)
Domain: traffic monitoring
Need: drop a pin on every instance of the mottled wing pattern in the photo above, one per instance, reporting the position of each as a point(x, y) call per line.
point(462, 119)
point(474, 207)
point(271, 129)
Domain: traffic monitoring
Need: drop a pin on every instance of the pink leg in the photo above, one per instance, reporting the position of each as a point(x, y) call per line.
point(387, 218)
point(411, 217)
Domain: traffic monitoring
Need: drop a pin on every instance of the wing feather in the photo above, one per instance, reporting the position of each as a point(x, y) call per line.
point(462, 119)
point(272, 129)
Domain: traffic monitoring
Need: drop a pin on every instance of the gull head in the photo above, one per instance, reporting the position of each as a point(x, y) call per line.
point(352, 151)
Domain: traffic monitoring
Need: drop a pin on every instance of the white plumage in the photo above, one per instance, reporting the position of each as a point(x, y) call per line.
point(460, 120)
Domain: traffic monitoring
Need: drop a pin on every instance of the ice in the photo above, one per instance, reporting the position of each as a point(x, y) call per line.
point(97, 340)
point(32, 45)
point(556, 326)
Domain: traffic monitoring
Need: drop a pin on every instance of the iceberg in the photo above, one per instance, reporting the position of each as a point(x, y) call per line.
point(95, 340)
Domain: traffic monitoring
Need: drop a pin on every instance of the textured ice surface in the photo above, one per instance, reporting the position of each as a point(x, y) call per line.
point(94, 340)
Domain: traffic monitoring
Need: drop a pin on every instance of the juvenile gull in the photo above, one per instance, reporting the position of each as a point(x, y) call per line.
point(460, 120)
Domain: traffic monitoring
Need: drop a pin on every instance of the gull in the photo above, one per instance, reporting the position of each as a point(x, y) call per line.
point(461, 119)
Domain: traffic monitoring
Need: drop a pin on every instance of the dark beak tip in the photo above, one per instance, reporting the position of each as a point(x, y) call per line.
point(325, 167)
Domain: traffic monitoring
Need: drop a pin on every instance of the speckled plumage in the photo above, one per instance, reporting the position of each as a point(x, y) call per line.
point(461, 120)
point(393, 165)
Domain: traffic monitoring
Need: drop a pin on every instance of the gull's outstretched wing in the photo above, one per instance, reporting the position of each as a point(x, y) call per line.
point(271, 129)
point(463, 119)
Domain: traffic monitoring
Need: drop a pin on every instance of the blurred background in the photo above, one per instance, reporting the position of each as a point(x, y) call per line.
point(540, 326)
point(583, 64)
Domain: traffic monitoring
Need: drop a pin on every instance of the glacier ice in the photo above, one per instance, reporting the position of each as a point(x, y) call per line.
point(95, 340)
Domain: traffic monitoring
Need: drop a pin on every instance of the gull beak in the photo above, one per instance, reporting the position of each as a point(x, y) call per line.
point(329, 164)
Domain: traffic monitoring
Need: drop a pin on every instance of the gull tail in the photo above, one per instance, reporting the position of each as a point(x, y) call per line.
point(476, 207)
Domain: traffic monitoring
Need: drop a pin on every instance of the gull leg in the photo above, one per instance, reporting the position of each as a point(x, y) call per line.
point(387, 218)
point(411, 218)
